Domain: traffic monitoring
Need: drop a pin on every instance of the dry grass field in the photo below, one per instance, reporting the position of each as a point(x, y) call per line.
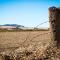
point(16, 39)
point(26, 45)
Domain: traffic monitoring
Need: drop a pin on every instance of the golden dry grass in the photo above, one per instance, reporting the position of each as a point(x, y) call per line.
point(27, 45)
point(16, 39)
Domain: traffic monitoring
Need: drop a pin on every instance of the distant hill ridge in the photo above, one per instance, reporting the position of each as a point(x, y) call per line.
point(16, 25)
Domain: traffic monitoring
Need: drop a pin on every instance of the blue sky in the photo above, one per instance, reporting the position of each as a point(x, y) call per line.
point(26, 12)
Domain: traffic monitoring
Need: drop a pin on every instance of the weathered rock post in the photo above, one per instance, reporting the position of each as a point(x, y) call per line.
point(54, 18)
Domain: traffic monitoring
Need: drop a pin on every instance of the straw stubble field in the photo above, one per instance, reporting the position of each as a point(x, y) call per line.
point(26, 45)
point(16, 39)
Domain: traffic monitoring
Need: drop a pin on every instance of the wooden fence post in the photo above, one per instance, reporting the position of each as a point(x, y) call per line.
point(54, 18)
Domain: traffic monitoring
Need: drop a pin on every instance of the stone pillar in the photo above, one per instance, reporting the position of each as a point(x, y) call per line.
point(54, 18)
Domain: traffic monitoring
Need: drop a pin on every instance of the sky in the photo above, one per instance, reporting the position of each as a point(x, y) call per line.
point(29, 13)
